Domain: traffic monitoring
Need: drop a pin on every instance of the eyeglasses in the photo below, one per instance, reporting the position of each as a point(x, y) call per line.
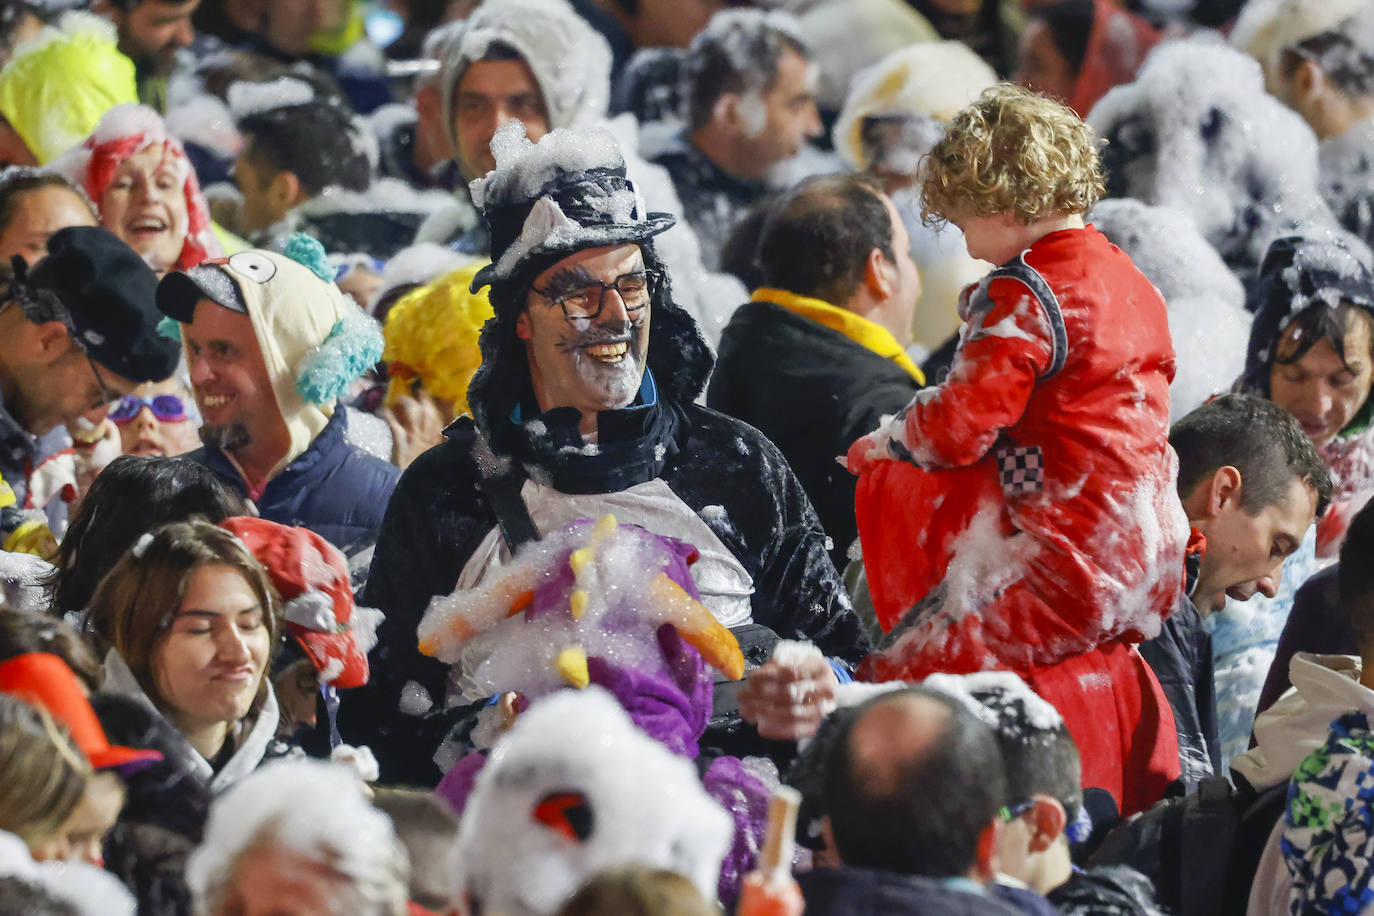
point(1010, 813)
point(585, 302)
point(108, 394)
point(166, 407)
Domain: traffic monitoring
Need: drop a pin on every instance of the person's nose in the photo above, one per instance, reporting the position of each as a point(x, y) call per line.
point(145, 422)
point(199, 368)
point(1269, 583)
point(232, 648)
point(813, 122)
point(613, 310)
point(184, 35)
point(89, 850)
point(1323, 399)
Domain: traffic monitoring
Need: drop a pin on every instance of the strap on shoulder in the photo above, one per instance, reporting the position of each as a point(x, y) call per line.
point(1029, 277)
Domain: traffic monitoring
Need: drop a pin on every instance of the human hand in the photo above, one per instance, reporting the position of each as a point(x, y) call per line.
point(296, 689)
point(787, 699)
point(857, 460)
point(417, 425)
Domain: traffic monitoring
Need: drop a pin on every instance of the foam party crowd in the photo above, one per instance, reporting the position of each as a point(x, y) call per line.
point(686, 457)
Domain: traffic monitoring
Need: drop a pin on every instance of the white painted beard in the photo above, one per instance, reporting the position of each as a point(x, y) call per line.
point(616, 384)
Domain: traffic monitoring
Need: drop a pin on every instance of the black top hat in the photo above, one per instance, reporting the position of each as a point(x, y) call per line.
point(573, 210)
point(109, 297)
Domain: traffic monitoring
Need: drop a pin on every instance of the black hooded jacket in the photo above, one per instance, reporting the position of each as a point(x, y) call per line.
point(812, 391)
point(439, 515)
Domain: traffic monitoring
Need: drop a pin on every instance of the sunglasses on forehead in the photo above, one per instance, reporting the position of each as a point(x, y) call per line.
point(166, 407)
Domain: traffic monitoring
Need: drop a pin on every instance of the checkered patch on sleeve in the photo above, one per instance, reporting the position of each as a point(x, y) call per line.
point(1022, 469)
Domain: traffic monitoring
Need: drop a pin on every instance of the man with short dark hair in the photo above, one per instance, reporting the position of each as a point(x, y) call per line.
point(77, 332)
point(913, 784)
point(307, 166)
point(750, 107)
point(1044, 813)
point(1251, 483)
point(151, 34)
point(816, 358)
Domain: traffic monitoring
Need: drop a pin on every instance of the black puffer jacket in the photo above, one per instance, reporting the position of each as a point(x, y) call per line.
point(866, 892)
point(1107, 890)
point(725, 472)
point(813, 392)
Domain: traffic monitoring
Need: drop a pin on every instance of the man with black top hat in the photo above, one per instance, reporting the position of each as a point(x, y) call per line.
point(583, 405)
point(77, 332)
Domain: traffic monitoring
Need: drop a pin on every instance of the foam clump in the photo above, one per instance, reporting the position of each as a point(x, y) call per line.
point(571, 789)
point(1197, 132)
point(599, 590)
point(309, 807)
point(1207, 316)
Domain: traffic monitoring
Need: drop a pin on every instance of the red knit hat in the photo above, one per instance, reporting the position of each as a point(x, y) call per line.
point(311, 576)
point(43, 679)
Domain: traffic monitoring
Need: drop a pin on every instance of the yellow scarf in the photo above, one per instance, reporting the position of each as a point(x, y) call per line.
point(865, 333)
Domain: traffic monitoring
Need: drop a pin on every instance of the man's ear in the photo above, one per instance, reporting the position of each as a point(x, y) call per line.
point(726, 110)
point(284, 192)
point(51, 340)
point(878, 272)
point(1047, 821)
point(1223, 490)
point(1307, 79)
point(522, 325)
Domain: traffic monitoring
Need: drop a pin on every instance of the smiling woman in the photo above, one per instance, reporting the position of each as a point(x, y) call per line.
point(145, 188)
point(188, 620)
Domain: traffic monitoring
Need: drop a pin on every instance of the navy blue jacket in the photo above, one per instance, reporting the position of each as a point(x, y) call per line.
point(333, 488)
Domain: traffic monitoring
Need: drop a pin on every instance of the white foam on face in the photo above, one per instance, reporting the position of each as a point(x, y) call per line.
point(1207, 316)
point(247, 98)
point(315, 809)
point(582, 742)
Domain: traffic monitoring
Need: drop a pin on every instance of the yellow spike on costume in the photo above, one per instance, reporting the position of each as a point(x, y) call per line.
point(578, 559)
point(698, 627)
point(578, 603)
point(571, 664)
point(605, 526)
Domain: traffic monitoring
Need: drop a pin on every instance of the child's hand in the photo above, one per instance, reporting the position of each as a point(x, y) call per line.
point(867, 451)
